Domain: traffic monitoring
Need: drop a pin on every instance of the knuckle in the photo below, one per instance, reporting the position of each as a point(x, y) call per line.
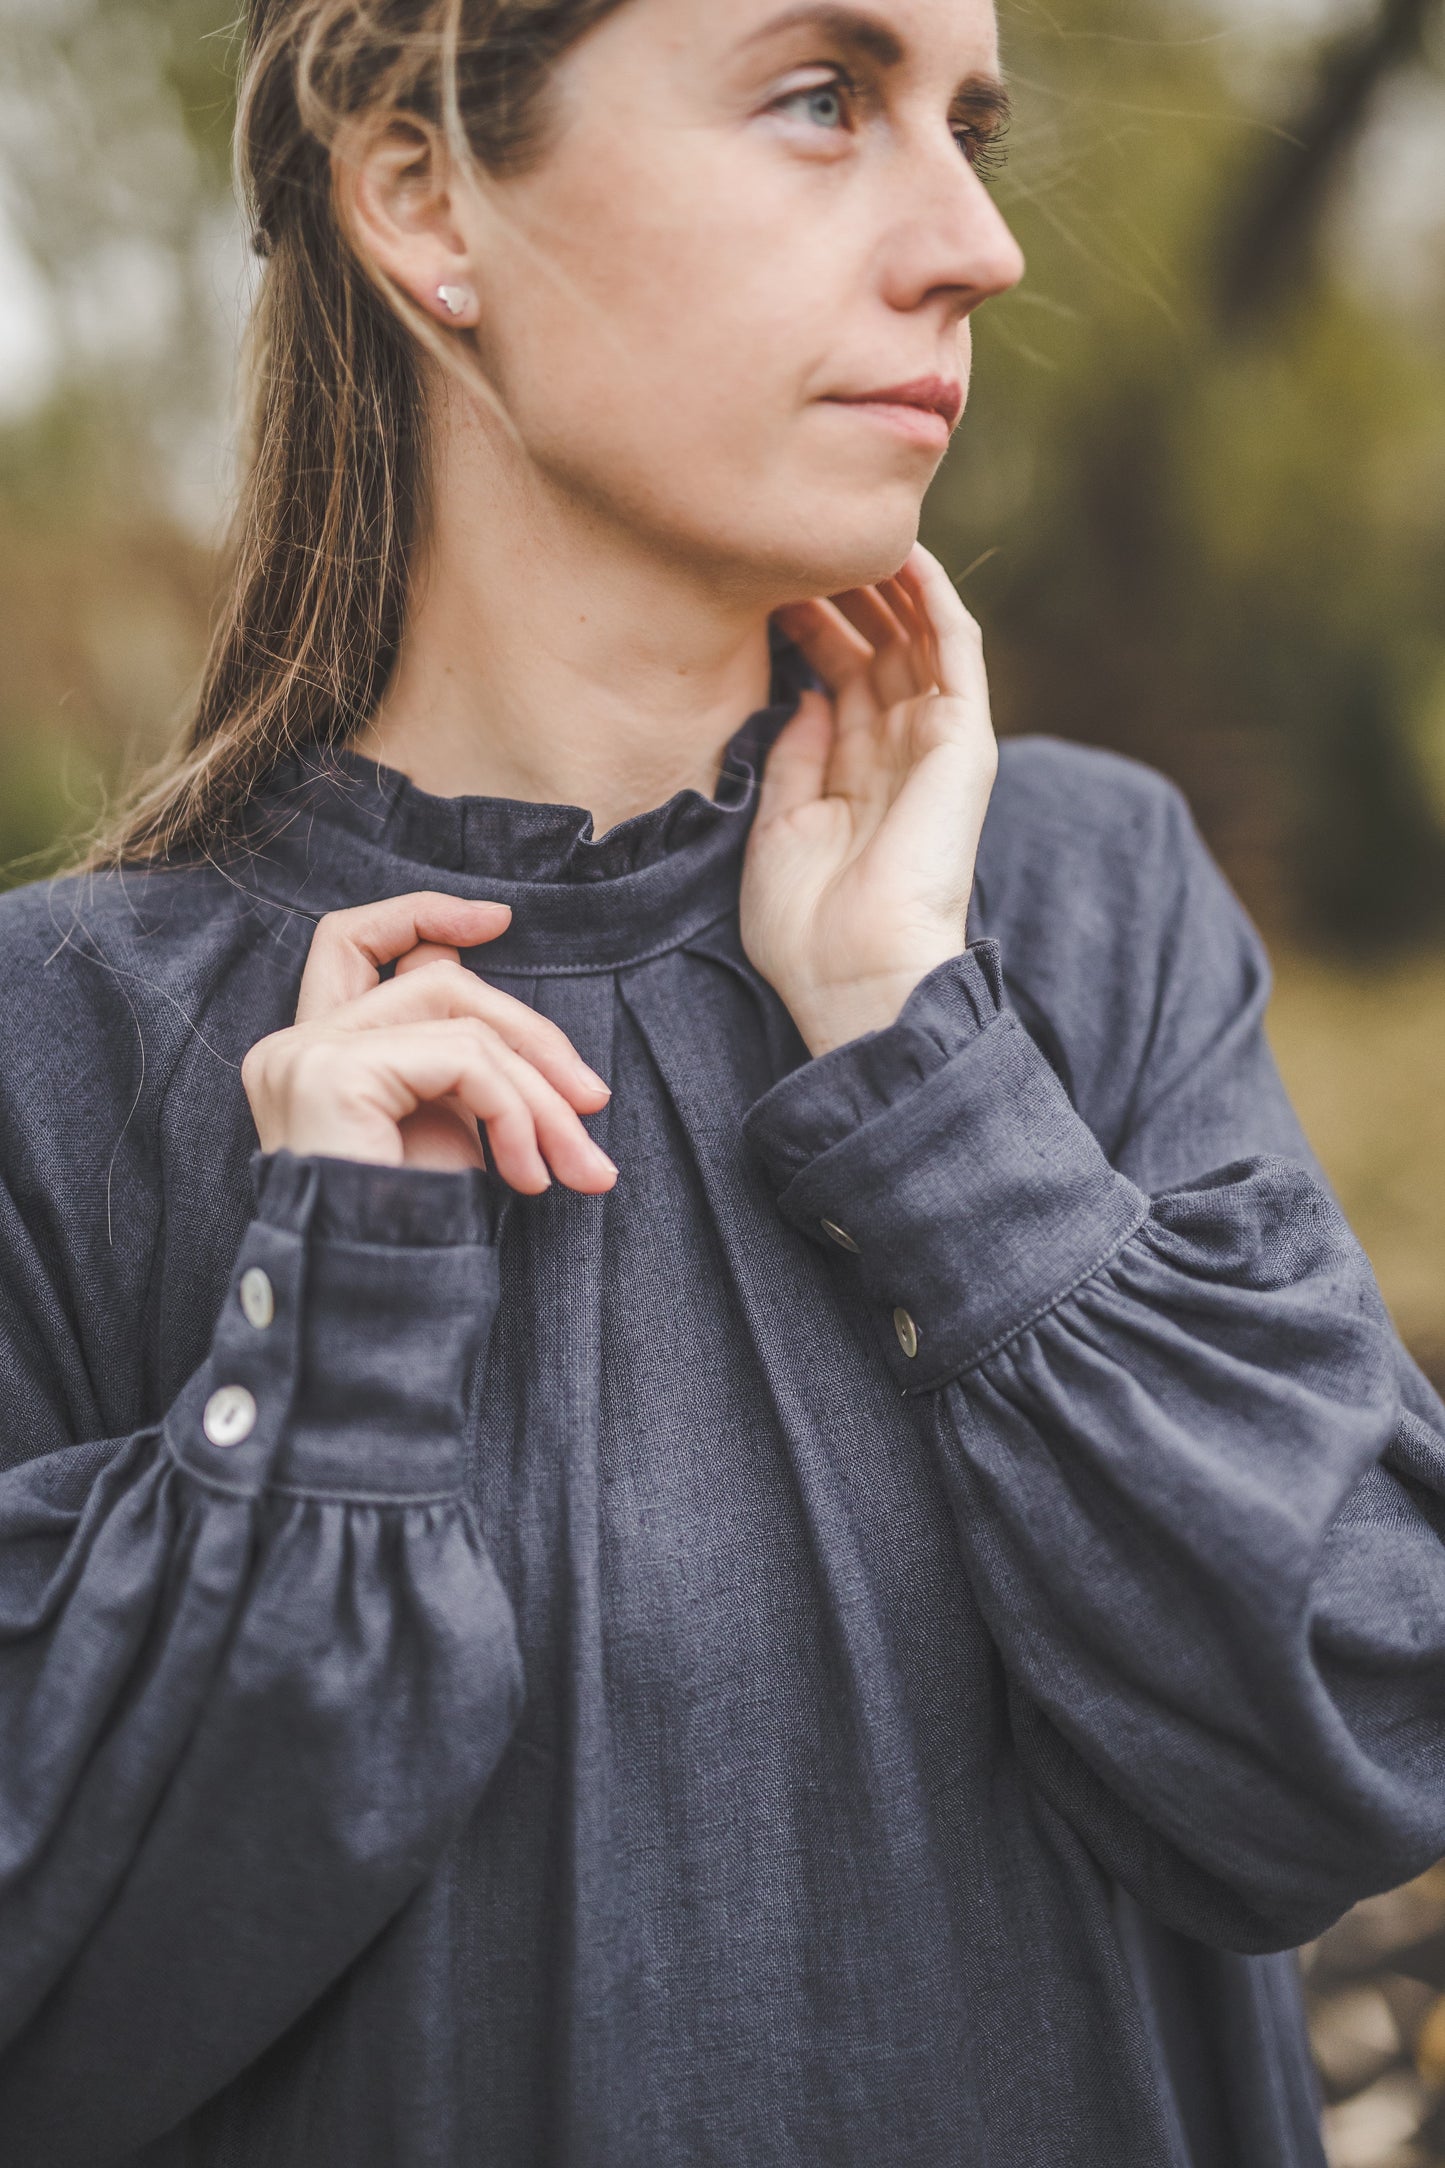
point(438, 980)
point(311, 1062)
point(476, 1035)
point(332, 925)
point(449, 978)
point(255, 1064)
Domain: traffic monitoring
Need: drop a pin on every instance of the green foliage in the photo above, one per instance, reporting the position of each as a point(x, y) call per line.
point(49, 796)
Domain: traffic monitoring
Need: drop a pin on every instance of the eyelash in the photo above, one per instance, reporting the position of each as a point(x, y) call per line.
point(985, 151)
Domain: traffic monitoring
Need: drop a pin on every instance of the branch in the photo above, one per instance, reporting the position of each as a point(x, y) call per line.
point(1265, 253)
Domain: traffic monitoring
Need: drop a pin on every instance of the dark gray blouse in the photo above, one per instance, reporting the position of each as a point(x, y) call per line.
point(659, 1684)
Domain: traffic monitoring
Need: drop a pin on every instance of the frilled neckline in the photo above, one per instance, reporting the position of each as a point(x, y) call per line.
point(337, 828)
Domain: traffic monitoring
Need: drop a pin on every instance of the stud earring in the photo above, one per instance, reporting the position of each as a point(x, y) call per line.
point(454, 298)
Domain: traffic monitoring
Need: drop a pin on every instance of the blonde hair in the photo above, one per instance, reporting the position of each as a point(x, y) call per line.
point(334, 490)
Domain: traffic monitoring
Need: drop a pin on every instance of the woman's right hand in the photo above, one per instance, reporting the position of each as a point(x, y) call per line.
point(364, 1056)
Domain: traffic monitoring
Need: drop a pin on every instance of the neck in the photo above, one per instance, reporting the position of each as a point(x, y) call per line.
point(552, 657)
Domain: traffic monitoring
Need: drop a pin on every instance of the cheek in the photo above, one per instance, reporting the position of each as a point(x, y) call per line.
point(668, 322)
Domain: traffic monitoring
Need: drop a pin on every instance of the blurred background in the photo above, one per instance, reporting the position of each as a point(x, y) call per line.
point(1199, 506)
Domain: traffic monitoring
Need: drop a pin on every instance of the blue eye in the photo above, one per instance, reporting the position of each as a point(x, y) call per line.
point(826, 96)
point(827, 103)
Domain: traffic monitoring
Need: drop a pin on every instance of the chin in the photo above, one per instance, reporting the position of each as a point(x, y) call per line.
point(839, 546)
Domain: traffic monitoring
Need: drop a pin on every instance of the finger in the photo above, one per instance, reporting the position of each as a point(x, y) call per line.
point(845, 660)
point(574, 1157)
point(430, 1131)
point(441, 989)
point(333, 1091)
point(898, 670)
point(960, 642)
point(528, 1125)
point(443, 1134)
point(527, 1121)
point(795, 771)
point(906, 582)
point(426, 952)
point(501, 1109)
point(865, 609)
point(440, 1063)
point(349, 948)
point(837, 651)
point(914, 619)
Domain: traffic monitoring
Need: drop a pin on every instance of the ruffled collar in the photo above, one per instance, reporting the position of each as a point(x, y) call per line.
point(336, 829)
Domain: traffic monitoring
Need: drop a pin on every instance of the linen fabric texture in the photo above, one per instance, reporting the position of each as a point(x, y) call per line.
point(617, 1709)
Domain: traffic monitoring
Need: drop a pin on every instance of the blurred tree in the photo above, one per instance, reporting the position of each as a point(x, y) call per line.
point(1216, 553)
point(1270, 246)
point(114, 134)
point(1223, 553)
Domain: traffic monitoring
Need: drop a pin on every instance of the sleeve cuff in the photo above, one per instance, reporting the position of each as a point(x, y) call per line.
point(359, 1303)
point(353, 1200)
point(942, 1160)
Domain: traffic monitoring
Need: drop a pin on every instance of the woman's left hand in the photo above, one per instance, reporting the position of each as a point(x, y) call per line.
point(859, 866)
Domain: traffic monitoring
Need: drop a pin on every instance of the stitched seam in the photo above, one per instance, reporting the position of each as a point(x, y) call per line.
point(677, 939)
point(366, 1498)
point(223, 1489)
point(883, 1116)
point(1011, 1332)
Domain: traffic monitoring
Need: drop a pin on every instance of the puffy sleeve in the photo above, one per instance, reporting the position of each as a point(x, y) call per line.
point(255, 1664)
point(1198, 1482)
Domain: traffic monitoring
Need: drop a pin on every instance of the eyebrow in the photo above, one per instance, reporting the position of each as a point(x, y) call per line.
point(850, 27)
point(856, 30)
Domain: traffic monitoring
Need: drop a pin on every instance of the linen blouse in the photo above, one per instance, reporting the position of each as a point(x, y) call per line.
point(870, 1643)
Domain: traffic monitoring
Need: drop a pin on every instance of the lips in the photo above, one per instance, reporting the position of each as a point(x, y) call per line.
point(936, 394)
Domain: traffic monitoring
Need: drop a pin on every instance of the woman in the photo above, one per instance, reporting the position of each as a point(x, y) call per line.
point(863, 1622)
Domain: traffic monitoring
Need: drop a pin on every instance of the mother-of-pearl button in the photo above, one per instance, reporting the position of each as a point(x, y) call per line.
point(258, 1297)
point(840, 1235)
point(229, 1415)
point(907, 1333)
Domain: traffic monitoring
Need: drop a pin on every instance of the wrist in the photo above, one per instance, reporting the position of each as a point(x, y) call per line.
point(943, 1164)
point(831, 1016)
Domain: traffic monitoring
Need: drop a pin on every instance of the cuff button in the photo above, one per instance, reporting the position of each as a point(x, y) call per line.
point(258, 1298)
point(907, 1333)
point(229, 1415)
point(840, 1235)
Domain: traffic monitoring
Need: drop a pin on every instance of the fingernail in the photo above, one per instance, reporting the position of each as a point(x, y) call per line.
point(593, 1078)
point(609, 1163)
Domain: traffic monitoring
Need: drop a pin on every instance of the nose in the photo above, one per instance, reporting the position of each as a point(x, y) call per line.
point(949, 238)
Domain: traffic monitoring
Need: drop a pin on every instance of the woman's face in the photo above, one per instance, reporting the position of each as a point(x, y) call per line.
point(755, 211)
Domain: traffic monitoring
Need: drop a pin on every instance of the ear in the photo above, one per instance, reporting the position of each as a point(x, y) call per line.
point(399, 198)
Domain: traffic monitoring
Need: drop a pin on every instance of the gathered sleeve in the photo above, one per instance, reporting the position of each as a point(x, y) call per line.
point(256, 1666)
point(1198, 1482)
